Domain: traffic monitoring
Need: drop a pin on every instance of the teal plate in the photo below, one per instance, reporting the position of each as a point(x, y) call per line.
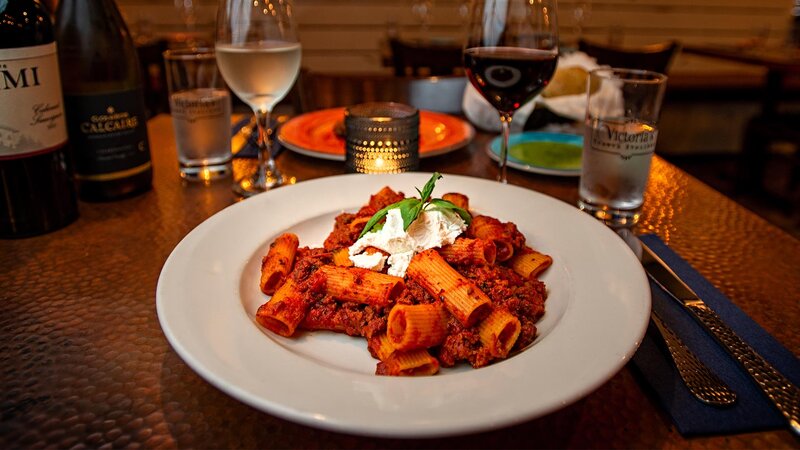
point(538, 152)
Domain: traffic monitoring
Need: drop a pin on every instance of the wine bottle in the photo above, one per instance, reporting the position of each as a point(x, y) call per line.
point(38, 192)
point(104, 100)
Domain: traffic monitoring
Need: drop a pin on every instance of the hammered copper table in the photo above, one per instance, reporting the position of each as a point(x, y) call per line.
point(85, 364)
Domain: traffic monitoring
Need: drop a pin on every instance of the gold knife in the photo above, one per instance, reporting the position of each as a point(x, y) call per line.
point(784, 395)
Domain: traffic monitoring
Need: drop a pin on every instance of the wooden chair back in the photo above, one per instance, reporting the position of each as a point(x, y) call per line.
point(655, 57)
point(417, 58)
point(329, 90)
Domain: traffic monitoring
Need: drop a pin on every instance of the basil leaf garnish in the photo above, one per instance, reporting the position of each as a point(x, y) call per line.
point(409, 211)
point(382, 213)
point(428, 189)
point(438, 203)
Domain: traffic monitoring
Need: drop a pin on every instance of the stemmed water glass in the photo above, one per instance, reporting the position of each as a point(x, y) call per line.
point(510, 55)
point(259, 56)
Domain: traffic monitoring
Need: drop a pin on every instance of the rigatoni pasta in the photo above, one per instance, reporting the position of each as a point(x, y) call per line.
point(504, 235)
point(277, 264)
point(284, 312)
point(411, 363)
point(380, 346)
point(461, 297)
point(531, 263)
point(469, 251)
point(499, 332)
point(341, 258)
point(460, 200)
point(410, 327)
point(474, 299)
point(361, 285)
point(399, 362)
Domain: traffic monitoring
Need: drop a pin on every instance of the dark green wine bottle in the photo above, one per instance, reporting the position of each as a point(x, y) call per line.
point(104, 100)
point(37, 192)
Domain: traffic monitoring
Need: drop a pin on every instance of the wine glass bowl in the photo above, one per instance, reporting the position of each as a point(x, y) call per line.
point(259, 55)
point(510, 55)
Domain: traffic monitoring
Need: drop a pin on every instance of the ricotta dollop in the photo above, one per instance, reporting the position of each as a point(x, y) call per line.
point(434, 228)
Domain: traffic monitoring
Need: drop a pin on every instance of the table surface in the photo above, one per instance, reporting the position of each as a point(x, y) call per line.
point(85, 362)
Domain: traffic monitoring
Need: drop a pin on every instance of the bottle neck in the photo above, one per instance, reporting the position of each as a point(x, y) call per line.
point(82, 13)
point(94, 45)
point(24, 23)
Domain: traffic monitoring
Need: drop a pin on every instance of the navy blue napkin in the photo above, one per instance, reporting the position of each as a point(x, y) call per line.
point(250, 147)
point(752, 411)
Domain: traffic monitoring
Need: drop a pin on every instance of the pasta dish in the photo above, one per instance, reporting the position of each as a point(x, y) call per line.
point(424, 280)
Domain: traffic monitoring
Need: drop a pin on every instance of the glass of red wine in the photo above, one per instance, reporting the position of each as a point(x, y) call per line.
point(510, 55)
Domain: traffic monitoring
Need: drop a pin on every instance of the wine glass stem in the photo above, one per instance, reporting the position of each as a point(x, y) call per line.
point(267, 169)
point(505, 121)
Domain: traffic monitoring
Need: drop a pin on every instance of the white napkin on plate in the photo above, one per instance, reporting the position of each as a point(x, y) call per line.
point(570, 106)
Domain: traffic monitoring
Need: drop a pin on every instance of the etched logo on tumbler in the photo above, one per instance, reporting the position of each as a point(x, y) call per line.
point(616, 159)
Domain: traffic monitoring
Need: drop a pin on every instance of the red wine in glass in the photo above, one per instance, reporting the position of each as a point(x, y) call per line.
point(508, 77)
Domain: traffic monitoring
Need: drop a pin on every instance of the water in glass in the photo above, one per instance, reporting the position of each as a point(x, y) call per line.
point(202, 121)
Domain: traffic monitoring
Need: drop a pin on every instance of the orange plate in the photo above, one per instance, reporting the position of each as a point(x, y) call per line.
point(312, 134)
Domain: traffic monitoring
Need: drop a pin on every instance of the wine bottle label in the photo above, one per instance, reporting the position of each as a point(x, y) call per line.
point(31, 111)
point(108, 134)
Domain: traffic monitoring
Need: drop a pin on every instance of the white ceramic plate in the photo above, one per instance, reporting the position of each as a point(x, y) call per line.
point(207, 296)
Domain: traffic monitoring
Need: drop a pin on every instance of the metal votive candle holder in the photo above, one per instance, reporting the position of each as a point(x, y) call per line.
point(381, 137)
